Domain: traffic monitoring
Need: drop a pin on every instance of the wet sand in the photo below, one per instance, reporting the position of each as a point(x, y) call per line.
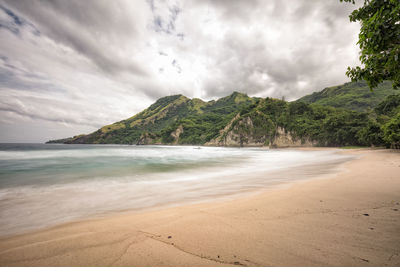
point(349, 219)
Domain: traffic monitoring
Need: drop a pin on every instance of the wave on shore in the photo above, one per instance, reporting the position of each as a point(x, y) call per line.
point(45, 185)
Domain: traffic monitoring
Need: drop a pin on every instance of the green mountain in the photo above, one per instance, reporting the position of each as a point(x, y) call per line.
point(162, 121)
point(239, 120)
point(278, 123)
point(353, 96)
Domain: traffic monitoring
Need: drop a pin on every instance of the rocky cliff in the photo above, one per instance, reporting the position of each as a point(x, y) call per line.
point(285, 138)
point(148, 139)
point(175, 134)
point(242, 132)
point(239, 132)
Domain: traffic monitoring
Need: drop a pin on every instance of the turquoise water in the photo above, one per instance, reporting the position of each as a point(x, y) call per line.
point(44, 185)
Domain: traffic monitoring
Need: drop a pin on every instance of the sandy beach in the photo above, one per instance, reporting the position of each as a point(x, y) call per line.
point(349, 219)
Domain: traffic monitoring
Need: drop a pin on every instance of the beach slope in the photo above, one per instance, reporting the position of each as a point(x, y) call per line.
point(349, 219)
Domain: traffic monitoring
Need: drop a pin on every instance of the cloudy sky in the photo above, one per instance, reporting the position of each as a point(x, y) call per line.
point(70, 67)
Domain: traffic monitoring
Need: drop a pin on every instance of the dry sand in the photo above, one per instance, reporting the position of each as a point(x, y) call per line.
point(352, 218)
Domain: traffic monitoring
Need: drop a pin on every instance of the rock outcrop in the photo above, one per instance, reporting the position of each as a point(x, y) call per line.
point(147, 139)
point(175, 134)
point(284, 138)
point(235, 135)
point(241, 132)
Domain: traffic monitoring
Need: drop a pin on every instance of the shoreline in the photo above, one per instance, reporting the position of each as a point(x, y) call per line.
point(260, 181)
point(312, 222)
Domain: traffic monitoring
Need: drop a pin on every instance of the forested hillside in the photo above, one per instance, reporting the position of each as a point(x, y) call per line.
point(160, 122)
point(239, 120)
point(353, 96)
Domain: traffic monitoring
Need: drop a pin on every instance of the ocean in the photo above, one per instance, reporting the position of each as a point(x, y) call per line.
point(42, 185)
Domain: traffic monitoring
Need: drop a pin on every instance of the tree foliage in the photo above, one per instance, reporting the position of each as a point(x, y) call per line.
point(391, 131)
point(355, 96)
point(379, 41)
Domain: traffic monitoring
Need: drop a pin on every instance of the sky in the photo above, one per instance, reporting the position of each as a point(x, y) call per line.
point(70, 67)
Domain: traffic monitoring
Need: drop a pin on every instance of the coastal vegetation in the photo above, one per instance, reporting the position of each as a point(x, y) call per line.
point(379, 42)
point(325, 118)
point(355, 96)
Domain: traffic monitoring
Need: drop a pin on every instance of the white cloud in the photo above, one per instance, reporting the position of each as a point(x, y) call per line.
point(77, 65)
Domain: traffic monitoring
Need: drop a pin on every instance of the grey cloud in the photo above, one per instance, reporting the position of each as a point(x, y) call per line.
point(40, 108)
point(151, 90)
point(151, 4)
point(176, 65)
point(164, 24)
point(14, 22)
point(237, 9)
point(181, 36)
point(81, 26)
point(88, 63)
point(309, 60)
point(15, 77)
point(45, 117)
